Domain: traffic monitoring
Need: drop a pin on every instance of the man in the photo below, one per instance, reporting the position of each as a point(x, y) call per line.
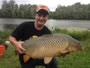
point(30, 29)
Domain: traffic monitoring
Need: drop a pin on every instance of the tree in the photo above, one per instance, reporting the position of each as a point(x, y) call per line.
point(8, 8)
point(11, 8)
point(4, 8)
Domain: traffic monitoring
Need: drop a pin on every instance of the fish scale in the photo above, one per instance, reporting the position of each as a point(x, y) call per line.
point(51, 45)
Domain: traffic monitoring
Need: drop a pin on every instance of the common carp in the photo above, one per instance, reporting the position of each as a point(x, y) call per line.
point(50, 45)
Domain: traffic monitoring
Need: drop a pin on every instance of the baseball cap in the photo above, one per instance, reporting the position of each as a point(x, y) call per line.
point(42, 9)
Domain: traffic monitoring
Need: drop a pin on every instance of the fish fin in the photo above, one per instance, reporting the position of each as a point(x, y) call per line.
point(47, 35)
point(47, 60)
point(26, 58)
point(65, 51)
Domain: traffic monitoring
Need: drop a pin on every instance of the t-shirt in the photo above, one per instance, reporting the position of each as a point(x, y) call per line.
point(27, 29)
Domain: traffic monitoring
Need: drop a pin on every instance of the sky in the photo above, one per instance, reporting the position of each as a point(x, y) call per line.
point(52, 4)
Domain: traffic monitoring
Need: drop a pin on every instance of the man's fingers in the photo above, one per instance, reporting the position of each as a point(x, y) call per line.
point(19, 47)
point(21, 42)
point(20, 51)
point(23, 49)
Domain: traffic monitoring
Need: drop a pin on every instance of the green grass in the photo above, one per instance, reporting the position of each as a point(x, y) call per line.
point(9, 60)
point(77, 35)
point(79, 59)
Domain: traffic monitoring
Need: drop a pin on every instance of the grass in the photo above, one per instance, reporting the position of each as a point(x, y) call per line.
point(82, 35)
point(9, 60)
point(79, 59)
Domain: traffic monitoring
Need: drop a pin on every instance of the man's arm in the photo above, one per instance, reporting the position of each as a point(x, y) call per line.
point(17, 44)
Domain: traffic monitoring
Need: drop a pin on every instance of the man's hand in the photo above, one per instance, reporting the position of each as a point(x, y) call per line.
point(17, 44)
point(19, 48)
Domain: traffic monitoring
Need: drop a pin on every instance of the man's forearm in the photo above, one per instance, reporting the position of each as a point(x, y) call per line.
point(12, 40)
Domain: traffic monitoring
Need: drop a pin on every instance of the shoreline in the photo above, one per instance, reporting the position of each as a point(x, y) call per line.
point(70, 29)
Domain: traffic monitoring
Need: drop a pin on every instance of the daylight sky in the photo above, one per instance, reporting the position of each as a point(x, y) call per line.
point(52, 4)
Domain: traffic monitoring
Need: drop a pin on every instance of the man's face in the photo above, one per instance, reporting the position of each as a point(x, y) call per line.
point(41, 19)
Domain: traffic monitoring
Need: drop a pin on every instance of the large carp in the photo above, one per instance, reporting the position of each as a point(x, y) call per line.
point(50, 45)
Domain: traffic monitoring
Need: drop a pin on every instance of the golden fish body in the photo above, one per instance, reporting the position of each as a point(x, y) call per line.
point(51, 45)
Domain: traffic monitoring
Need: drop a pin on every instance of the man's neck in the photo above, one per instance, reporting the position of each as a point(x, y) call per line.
point(38, 27)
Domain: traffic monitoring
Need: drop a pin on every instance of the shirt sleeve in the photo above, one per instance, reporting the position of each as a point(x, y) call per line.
point(18, 32)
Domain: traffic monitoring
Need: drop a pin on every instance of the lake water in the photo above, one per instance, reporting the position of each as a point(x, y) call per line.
point(6, 23)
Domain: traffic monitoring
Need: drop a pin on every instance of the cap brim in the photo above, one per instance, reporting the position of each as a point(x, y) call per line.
point(43, 12)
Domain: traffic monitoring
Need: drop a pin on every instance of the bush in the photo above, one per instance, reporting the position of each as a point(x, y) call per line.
point(4, 35)
point(77, 35)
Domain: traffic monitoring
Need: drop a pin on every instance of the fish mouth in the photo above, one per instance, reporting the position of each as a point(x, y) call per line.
point(80, 47)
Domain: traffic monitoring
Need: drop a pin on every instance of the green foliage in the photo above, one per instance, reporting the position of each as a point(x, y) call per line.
point(80, 35)
point(76, 11)
point(4, 36)
point(77, 35)
point(9, 60)
point(60, 31)
point(12, 10)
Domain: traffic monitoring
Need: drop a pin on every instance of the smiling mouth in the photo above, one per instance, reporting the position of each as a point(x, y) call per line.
point(41, 21)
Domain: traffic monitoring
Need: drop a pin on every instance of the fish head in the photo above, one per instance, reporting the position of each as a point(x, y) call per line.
point(79, 47)
point(76, 46)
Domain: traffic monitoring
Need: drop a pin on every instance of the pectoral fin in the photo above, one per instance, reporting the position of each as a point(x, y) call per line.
point(47, 60)
point(64, 53)
point(26, 58)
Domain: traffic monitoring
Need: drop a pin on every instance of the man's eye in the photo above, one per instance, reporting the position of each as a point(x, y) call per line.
point(39, 15)
point(44, 15)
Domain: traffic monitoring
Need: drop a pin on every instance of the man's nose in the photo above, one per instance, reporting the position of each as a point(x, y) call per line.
point(41, 18)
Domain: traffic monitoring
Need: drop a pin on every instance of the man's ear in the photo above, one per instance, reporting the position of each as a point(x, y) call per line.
point(47, 17)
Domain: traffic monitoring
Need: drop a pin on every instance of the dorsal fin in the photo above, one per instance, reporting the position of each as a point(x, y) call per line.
point(47, 35)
